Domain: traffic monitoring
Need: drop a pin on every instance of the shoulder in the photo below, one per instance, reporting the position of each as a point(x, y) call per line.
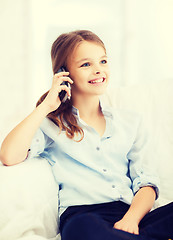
point(124, 116)
point(127, 121)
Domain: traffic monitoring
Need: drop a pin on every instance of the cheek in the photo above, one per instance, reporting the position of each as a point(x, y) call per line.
point(77, 76)
point(73, 74)
point(108, 72)
point(76, 82)
point(74, 77)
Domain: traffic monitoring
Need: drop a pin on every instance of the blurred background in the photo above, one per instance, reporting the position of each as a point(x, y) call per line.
point(138, 35)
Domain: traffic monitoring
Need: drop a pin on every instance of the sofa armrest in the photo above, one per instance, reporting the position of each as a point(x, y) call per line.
point(28, 195)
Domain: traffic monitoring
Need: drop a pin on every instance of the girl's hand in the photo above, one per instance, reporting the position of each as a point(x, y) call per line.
point(52, 100)
point(140, 206)
point(128, 226)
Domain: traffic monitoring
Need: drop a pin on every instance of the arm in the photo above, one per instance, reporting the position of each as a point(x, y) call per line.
point(14, 148)
point(142, 177)
point(142, 203)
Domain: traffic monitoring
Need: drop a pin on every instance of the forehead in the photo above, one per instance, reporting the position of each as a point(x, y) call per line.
point(88, 49)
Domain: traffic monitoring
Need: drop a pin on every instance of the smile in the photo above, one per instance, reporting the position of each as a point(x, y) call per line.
point(98, 80)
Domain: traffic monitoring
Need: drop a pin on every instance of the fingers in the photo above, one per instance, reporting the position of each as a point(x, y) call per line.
point(62, 76)
point(67, 89)
point(57, 87)
point(134, 229)
point(57, 82)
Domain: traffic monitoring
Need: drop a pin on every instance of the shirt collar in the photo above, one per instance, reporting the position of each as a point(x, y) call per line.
point(106, 110)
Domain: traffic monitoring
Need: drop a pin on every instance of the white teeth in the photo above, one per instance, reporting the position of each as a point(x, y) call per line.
point(97, 81)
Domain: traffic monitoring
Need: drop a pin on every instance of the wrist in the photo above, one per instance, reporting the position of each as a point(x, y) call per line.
point(44, 109)
point(131, 217)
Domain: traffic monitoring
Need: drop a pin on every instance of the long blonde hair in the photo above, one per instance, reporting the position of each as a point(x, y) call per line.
point(62, 49)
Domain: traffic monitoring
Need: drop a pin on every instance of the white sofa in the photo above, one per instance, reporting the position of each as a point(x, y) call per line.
point(28, 192)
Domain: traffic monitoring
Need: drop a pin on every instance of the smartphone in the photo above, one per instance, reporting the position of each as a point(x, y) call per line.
point(63, 94)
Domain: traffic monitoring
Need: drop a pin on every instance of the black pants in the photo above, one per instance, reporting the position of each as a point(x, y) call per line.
point(95, 222)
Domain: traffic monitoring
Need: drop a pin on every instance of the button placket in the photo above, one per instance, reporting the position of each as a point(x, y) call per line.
point(97, 148)
point(98, 145)
point(121, 197)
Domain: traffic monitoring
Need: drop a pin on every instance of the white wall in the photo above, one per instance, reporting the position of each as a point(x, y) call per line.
point(138, 35)
point(57, 17)
point(15, 69)
point(148, 41)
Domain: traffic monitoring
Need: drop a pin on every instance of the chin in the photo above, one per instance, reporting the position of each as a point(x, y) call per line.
point(100, 92)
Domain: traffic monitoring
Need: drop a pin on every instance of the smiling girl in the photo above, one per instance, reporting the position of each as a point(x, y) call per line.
point(96, 152)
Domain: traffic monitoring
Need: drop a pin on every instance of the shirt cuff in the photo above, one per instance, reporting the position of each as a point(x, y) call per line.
point(141, 185)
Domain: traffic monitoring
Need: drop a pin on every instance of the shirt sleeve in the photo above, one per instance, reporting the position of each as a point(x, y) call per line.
point(142, 167)
point(39, 143)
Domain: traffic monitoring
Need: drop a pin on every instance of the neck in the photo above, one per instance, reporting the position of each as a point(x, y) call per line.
point(88, 107)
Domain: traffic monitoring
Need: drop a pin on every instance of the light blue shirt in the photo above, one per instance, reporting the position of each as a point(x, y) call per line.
point(97, 169)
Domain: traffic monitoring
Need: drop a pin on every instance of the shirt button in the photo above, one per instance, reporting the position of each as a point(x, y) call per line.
point(97, 148)
point(37, 140)
point(104, 170)
point(113, 186)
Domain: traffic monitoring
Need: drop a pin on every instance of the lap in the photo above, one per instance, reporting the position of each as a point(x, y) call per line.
point(90, 226)
point(158, 223)
point(86, 219)
point(158, 214)
point(110, 212)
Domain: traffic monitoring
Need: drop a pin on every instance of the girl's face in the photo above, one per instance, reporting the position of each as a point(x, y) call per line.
point(88, 69)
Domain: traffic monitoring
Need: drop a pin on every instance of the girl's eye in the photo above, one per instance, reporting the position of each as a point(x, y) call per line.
point(85, 64)
point(104, 61)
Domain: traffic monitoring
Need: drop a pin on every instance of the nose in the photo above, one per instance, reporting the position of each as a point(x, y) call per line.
point(97, 69)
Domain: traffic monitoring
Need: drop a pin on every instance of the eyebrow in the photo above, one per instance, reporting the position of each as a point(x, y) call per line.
point(87, 59)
